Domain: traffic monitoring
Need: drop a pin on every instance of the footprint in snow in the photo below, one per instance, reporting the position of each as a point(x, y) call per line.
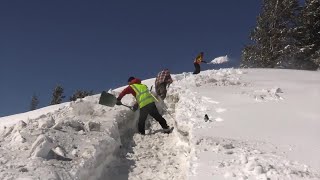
point(219, 119)
point(209, 100)
point(220, 110)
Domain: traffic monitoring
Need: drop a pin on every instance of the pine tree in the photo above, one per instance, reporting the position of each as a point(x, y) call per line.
point(57, 95)
point(80, 94)
point(34, 102)
point(308, 34)
point(273, 40)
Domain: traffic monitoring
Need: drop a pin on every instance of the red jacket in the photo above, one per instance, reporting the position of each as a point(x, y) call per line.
point(129, 90)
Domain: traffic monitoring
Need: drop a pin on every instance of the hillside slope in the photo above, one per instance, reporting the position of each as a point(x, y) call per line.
point(263, 123)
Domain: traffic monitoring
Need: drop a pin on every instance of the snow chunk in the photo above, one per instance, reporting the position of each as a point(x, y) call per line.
point(46, 123)
point(250, 166)
point(7, 131)
point(58, 125)
point(258, 170)
point(42, 146)
point(92, 126)
point(60, 151)
point(276, 90)
point(219, 60)
point(228, 146)
point(76, 125)
point(20, 125)
point(17, 137)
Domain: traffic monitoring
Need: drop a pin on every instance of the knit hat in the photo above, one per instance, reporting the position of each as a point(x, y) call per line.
point(131, 78)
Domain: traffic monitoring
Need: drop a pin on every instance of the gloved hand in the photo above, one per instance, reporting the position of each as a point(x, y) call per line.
point(118, 102)
point(135, 107)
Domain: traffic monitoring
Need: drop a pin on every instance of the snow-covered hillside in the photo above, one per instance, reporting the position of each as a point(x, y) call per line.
point(262, 124)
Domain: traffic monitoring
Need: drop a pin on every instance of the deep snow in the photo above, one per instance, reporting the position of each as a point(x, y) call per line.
point(263, 124)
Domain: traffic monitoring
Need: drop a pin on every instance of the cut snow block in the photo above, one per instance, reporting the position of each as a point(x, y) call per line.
point(7, 131)
point(228, 146)
point(20, 125)
point(58, 125)
point(46, 122)
point(107, 99)
point(60, 151)
point(76, 125)
point(42, 146)
point(276, 90)
point(18, 138)
point(75, 152)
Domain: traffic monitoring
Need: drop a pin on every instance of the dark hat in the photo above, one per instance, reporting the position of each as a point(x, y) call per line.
point(131, 78)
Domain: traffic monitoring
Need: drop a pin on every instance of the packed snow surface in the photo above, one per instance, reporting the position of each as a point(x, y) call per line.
point(229, 124)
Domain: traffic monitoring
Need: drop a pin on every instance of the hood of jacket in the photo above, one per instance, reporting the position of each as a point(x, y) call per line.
point(135, 81)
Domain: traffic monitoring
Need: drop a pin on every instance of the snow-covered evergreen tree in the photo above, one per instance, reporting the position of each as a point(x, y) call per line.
point(308, 33)
point(80, 94)
point(34, 102)
point(273, 38)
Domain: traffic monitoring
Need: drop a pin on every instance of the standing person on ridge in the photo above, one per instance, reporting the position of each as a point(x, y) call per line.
point(145, 101)
point(197, 61)
point(162, 81)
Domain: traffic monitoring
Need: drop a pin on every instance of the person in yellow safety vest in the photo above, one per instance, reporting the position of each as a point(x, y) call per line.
point(145, 101)
point(197, 61)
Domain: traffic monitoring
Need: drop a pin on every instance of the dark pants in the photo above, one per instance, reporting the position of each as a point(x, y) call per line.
point(197, 68)
point(153, 111)
point(161, 90)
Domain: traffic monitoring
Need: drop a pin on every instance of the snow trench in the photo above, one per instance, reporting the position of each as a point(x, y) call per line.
point(155, 155)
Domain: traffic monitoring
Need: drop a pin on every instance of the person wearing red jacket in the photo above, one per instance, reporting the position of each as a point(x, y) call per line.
point(145, 102)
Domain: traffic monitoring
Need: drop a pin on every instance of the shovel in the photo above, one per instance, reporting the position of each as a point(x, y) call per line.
point(110, 100)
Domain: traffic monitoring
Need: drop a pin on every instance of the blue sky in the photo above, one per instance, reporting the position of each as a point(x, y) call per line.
point(97, 45)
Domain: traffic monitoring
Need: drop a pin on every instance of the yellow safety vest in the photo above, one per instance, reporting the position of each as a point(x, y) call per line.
point(198, 59)
point(143, 96)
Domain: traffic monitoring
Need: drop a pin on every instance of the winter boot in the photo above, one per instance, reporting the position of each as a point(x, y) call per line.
point(168, 130)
